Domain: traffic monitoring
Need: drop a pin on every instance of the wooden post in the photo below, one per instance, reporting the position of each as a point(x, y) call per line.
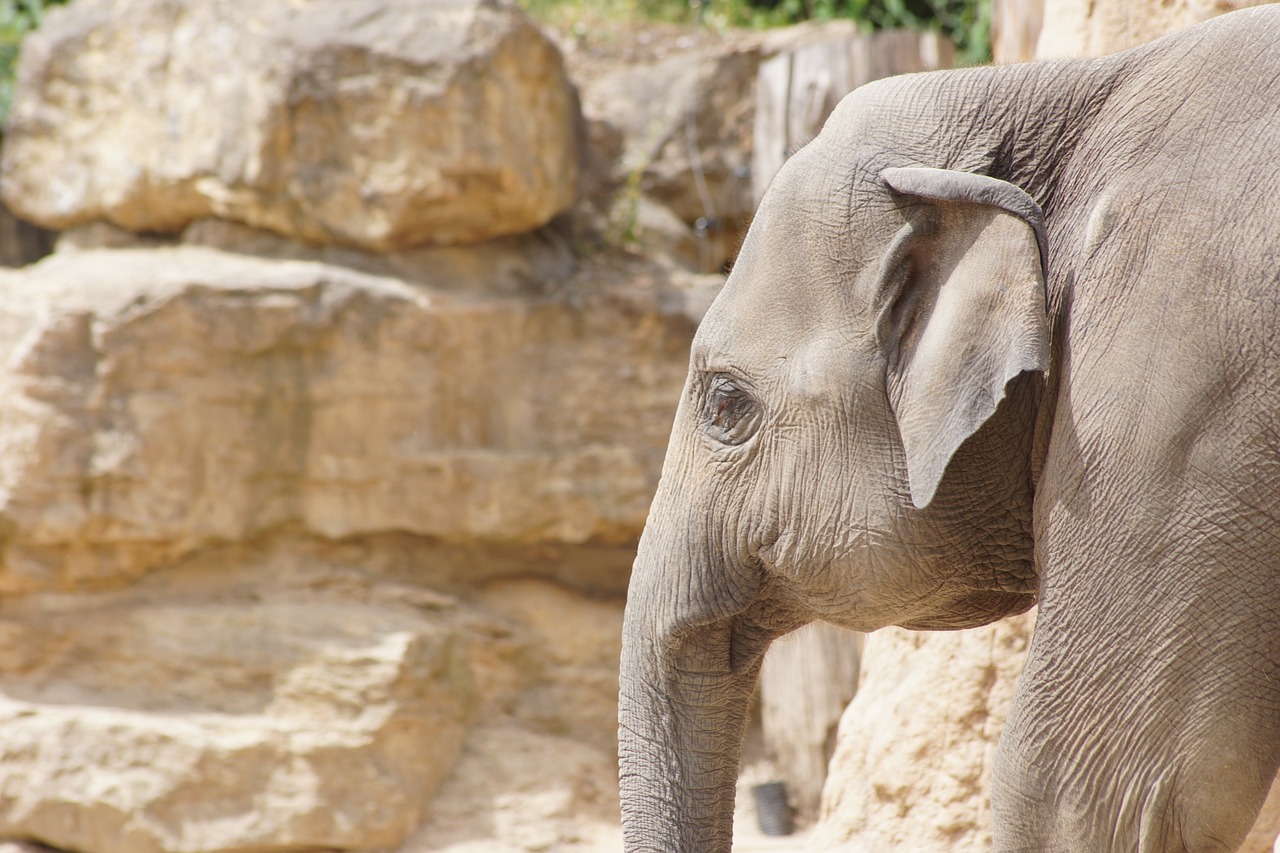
point(1015, 29)
point(797, 89)
point(807, 680)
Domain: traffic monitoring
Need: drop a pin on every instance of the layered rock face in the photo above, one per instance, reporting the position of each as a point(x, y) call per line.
point(162, 401)
point(377, 124)
point(315, 512)
point(287, 546)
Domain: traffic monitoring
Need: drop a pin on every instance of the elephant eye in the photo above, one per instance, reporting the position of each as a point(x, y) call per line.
point(730, 414)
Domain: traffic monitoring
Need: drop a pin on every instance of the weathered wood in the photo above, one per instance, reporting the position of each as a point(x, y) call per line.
point(807, 680)
point(769, 133)
point(797, 89)
point(821, 74)
point(1015, 29)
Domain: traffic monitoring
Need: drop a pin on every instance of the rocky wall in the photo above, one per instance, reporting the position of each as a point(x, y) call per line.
point(326, 436)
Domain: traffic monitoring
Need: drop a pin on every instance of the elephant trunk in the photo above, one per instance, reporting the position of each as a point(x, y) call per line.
point(681, 716)
point(692, 644)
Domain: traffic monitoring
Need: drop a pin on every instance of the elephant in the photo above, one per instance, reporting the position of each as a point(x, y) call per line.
point(996, 337)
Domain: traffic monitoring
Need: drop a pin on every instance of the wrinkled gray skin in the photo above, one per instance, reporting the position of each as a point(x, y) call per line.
point(838, 452)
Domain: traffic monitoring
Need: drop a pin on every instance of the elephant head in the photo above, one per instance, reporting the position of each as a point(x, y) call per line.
point(841, 451)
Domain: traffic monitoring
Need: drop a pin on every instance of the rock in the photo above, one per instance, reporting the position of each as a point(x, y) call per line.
point(533, 264)
point(160, 402)
point(22, 243)
point(571, 682)
point(539, 770)
point(689, 149)
point(303, 694)
point(1077, 28)
point(251, 720)
point(375, 124)
point(653, 230)
point(530, 792)
point(913, 754)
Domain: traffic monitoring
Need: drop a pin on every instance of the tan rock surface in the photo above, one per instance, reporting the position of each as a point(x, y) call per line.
point(690, 149)
point(1076, 28)
point(913, 753)
point(157, 402)
point(301, 694)
point(197, 717)
point(372, 123)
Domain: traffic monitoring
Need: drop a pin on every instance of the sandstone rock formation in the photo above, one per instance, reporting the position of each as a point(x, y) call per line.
point(691, 146)
point(301, 556)
point(375, 124)
point(249, 720)
point(688, 150)
point(157, 402)
point(302, 694)
point(1082, 28)
point(913, 755)
point(22, 243)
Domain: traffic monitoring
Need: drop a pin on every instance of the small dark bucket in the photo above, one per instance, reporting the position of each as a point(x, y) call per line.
point(772, 810)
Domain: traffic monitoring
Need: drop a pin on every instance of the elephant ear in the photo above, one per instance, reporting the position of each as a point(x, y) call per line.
point(961, 299)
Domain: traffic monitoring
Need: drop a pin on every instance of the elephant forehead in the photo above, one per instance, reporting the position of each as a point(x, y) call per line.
point(824, 370)
point(790, 289)
point(751, 327)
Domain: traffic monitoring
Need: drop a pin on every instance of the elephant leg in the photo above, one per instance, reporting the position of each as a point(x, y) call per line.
point(1148, 716)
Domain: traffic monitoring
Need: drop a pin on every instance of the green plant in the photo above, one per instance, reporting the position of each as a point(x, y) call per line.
point(17, 18)
point(966, 22)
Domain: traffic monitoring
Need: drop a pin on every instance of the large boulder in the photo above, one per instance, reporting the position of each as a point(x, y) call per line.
point(690, 147)
point(372, 123)
point(543, 775)
point(159, 402)
point(221, 719)
point(913, 755)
